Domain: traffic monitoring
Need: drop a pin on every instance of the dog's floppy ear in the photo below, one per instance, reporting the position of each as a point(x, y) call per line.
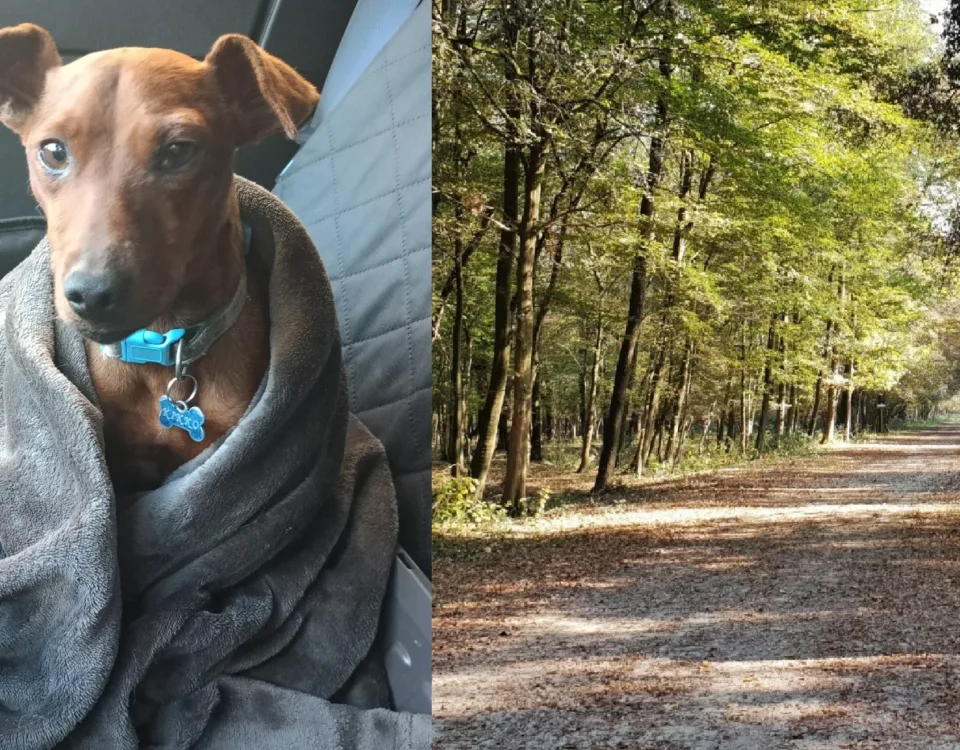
point(264, 94)
point(27, 52)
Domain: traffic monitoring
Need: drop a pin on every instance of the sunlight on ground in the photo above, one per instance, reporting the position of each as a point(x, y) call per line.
point(810, 604)
point(555, 625)
point(698, 516)
point(754, 691)
point(922, 443)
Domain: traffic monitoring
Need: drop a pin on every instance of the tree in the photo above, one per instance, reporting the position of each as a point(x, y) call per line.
point(678, 216)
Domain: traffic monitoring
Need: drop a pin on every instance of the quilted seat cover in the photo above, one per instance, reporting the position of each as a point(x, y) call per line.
point(361, 186)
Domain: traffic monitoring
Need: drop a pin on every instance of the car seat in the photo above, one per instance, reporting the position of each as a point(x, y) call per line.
point(359, 179)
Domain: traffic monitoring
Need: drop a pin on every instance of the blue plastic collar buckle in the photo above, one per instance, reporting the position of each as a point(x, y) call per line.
point(144, 347)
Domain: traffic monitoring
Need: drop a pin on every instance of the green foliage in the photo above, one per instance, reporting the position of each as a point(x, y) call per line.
point(537, 505)
point(828, 218)
point(456, 502)
point(717, 456)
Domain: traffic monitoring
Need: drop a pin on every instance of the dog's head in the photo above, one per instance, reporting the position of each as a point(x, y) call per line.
point(131, 155)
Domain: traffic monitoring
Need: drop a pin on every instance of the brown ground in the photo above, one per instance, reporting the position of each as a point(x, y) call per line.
point(811, 604)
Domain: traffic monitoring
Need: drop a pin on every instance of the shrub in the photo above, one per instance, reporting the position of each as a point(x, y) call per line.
point(536, 505)
point(456, 501)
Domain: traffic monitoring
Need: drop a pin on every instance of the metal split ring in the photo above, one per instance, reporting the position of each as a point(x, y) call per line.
point(180, 369)
point(193, 393)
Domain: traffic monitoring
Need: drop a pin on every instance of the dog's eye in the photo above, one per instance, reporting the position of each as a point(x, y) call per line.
point(176, 155)
point(54, 155)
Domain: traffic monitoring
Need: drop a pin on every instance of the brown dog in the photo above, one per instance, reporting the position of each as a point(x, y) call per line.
point(131, 157)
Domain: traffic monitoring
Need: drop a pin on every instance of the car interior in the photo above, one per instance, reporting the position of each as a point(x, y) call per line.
point(306, 34)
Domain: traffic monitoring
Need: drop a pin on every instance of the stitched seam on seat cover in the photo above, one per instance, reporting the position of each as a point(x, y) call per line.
point(340, 263)
point(426, 485)
point(403, 245)
point(381, 265)
point(410, 472)
point(406, 324)
point(370, 200)
point(393, 401)
point(394, 61)
point(23, 223)
point(297, 168)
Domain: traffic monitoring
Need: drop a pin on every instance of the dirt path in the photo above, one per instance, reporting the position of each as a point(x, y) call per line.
point(815, 604)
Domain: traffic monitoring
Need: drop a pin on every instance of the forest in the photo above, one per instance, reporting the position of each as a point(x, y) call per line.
point(673, 230)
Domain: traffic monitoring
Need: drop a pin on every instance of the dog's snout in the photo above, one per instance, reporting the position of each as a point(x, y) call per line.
point(94, 296)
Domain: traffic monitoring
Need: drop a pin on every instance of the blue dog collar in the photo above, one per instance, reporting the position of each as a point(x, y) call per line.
point(144, 347)
point(150, 347)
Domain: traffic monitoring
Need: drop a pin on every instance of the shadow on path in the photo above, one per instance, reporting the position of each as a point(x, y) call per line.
point(815, 604)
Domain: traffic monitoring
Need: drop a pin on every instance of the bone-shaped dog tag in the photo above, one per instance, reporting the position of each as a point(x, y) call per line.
point(176, 414)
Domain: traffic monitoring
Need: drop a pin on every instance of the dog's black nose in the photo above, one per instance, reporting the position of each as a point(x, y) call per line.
point(93, 296)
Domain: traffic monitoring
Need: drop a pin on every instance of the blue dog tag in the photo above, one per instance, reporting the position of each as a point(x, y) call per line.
point(191, 420)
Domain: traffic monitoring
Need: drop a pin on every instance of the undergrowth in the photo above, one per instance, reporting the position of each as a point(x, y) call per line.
point(458, 510)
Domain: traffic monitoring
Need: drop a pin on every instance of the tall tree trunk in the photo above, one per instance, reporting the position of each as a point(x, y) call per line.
point(650, 413)
point(767, 380)
point(443, 425)
point(848, 432)
point(673, 444)
point(686, 421)
point(489, 419)
point(686, 185)
point(656, 415)
point(830, 417)
point(548, 418)
point(842, 406)
point(456, 370)
point(638, 286)
point(536, 447)
point(467, 420)
point(582, 384)
point(794, 410)
point(707, 421)
point(518, 449)
point(731, 426)
point(722, 418)
point(503, 423)
point(782, 407)
point(634, 421)
point(815, 409)
point(859, 411)
point(443, 412)
point(781, 410)
point(536, 414)
point(830, 426)
point(613, 420)
point(685, 431)
point(744, 429)
point(641, 419)
point(814, 412)
point(590, 406)
point(661, 425)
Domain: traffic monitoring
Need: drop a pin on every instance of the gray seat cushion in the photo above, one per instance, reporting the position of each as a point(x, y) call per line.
point(361, 186)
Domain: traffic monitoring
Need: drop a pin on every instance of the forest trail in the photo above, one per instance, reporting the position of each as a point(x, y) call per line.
point(809, 604)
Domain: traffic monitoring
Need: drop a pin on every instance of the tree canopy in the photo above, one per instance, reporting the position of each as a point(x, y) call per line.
point(673, 226)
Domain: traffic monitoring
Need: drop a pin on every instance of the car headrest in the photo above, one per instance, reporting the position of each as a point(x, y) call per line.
point(18, 237)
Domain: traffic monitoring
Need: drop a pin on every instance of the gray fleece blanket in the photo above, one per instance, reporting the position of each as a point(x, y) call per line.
point(236, 605)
